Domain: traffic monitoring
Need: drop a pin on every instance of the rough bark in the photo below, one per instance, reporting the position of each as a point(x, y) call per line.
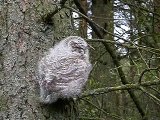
point(24, 37)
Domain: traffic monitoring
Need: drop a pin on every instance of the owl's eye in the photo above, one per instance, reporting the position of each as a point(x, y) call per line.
point(75, 45)
point(72, 44)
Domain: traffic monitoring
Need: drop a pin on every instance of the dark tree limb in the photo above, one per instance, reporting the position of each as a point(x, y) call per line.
point(48, 18)
point(115, 60)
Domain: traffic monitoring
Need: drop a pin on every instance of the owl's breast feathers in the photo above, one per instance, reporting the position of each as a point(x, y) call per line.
point(66, 72)
point(68, 68)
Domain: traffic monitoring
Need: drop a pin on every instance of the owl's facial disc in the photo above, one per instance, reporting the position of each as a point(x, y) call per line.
point(79, 46)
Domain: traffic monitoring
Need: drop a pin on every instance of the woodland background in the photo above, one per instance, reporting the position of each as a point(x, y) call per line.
point(125, 81)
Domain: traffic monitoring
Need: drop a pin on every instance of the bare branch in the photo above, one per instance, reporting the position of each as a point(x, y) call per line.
point(108, 114)
point(155, 99)
point(149, 49)
point(49, 16)
point(146, 70)
point(122, 87)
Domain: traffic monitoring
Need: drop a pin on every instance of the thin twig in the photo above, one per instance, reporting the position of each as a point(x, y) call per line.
point(155, 99)
point(155, 90)
point(152, 50)
point(108, 114)
point(146, 70)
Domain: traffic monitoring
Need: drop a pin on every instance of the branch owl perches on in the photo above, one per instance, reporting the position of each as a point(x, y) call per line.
point(64, 70)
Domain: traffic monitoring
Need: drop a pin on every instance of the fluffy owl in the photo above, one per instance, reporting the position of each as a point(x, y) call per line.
point(64, 70)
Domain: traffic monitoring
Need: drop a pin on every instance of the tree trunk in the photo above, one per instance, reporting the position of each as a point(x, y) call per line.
point(24, 38)
point(83, 22)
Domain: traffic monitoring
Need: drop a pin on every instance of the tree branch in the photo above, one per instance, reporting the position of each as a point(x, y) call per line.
point(116, 117)
point(122, 87)
point(48, 18)
point(149, 49)
point(146, 70)
point(155, 99)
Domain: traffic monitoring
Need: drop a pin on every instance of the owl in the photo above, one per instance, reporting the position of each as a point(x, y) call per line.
point(64, 70)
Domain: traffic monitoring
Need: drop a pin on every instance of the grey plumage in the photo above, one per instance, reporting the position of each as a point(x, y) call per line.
point(64, 70)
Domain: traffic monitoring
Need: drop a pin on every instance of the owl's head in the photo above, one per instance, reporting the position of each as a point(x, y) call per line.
point(77, 44)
